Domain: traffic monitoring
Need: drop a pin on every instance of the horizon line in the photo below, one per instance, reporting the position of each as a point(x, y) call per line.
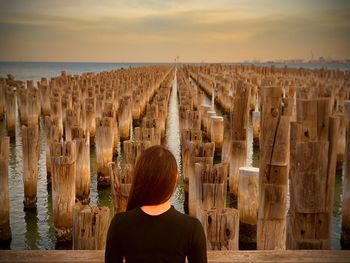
point(253, 61)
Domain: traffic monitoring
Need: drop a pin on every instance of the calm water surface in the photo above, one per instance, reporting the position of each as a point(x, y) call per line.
point(35, 230)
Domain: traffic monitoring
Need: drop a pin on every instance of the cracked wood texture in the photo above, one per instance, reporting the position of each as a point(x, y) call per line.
point(312, 174)
point(90, 226)
point(273, 173)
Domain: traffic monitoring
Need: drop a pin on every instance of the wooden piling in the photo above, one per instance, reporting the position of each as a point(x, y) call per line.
point(125, 117)
point(226, 145)
point(90, 227)
point(239, 121)
point(133, 150)
point(109, 111)
point(44, 89)
point(211, 183)
point(248, 203)
point(53, 134)
point(104, 149)
point(256, 127)
point(30, 145)
point(63, 188)
point(341, 145)
point(121, 186)
point(217, 133)
point(198, 153)
point(5, 229)
point(90, 117)
point(2, 98)
point(10, 102)
point(72, 120)
point(312, 175)
point(22, 101)
point(33, 107)
point(56, 111)
point(221, 228)
point(345, 230)
point(273, 179)
point(82, 181)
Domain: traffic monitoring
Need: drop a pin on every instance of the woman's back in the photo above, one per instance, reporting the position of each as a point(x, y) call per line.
point(168, 237)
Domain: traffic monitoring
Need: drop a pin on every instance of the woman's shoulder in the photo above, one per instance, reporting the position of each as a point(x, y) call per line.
point(188, 220)
point(122, 218)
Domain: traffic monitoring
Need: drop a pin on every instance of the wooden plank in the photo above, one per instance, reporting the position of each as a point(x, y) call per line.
point(97, 256)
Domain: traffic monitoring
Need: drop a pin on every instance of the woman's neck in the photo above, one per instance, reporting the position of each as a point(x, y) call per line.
point(155, 210)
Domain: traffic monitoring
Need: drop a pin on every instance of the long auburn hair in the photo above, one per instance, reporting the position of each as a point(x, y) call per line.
point(155, 177)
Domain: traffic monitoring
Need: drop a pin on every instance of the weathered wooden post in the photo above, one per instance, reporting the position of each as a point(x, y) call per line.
point(313, 143)
point(228, 229)
point(90, 112)
point(341, 139)
point(90, 227)
point(211, 183)
point(256, 127)
point(345, 234)
point(104, 149)
point(22, 101)
point(120, 186)
point(125, 117)
point(5, 229)
point(52, 135)
point(30, 145)
point(226, 145)
point(239, 121)
point(217, 133)
point(2, 98)
point(133, 149)
point(221, 228)
point(273, 179)
point(10, 102)
point(109, 111)
point(44, 89)
point(82, 181)
point(56, 112)
point(33, 107)
point(63, 188)
point(248, 203)
point(72, 120)
point(199, 153)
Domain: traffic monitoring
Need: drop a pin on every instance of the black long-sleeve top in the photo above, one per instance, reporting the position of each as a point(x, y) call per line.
point(168, 237)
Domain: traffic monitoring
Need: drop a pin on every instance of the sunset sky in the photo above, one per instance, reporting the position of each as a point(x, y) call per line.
point(159, 30)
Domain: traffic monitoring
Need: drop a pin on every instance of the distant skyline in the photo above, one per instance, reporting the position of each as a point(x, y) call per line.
point(160, 30)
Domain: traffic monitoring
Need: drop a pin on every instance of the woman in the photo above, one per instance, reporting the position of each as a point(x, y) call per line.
point(151, 230)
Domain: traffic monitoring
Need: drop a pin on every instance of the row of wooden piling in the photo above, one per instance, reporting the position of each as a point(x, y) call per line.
point(205, 182)
point(276, 99)
point(303, 117)
point(78, 111)
point(151, 132)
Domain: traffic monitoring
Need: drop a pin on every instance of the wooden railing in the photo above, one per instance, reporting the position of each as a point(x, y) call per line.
point(97, 256)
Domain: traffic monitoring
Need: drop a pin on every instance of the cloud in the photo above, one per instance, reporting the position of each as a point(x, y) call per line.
point(156, 30)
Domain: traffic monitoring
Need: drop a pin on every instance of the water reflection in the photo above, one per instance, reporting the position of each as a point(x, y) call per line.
point(49, 237)
point(336, 223)
point(172, 138)
point(32, 234)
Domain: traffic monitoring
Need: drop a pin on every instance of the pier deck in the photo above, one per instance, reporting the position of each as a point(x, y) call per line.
point(97, 256)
